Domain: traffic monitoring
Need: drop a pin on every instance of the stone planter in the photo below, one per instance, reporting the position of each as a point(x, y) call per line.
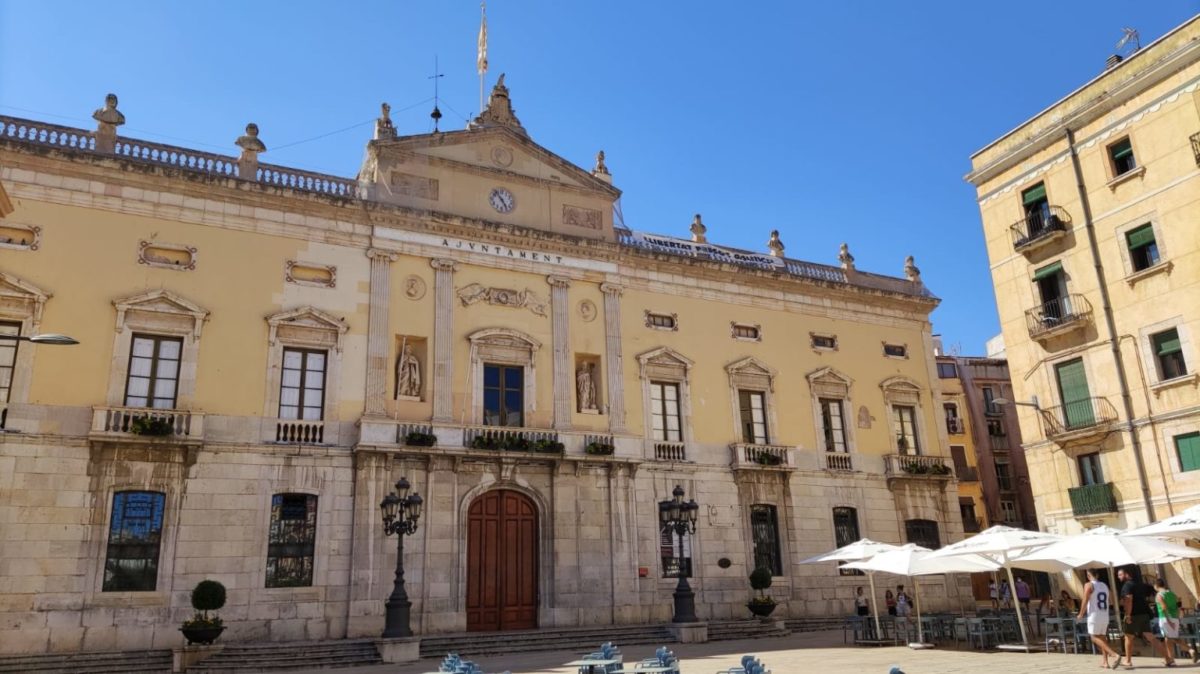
point(201, 635)
point(761, 610)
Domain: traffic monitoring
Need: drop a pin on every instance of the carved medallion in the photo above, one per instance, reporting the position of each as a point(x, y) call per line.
point(502, 156)
point(414, 287)
point(588, 218)
point(587, 311)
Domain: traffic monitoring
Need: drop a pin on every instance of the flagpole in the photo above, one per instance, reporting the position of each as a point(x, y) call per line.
point(481, 63)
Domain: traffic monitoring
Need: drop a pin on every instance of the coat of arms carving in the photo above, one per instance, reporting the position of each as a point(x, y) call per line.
point(477, 292)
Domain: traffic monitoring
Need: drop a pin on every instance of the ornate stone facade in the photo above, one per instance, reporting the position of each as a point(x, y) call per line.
point(288, 402)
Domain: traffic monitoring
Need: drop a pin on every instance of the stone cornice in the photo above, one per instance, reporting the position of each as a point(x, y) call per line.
point(246, 206)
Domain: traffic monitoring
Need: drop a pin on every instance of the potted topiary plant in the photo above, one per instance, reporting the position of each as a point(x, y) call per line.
point(762, 605)
point(208, 595)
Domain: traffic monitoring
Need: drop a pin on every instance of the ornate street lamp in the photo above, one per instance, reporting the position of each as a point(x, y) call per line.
point(401, 511)
point(679, 518)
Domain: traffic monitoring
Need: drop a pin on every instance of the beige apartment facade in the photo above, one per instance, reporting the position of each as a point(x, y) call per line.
point(1089, 212)
point(264, 352)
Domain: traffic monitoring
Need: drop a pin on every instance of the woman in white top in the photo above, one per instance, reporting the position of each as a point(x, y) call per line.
point(861, 607)
point(1095, 602)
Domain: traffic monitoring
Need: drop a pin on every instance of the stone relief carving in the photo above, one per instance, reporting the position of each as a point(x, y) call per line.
point(578, 216)
point(476, 292)
point(414, 287)
point(864, 417)
point(502, 156)
point(414, 186)
point(588, 311)
point(585, 387)
point(408, 375)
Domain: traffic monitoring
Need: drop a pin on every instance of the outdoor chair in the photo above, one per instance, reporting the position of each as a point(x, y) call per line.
point(1060, 635)
point(982, 633)
point(853, 624)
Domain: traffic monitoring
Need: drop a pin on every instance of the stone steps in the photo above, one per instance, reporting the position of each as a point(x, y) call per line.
point(814, 624)
point(116, 662)
point(280, 656)
point(744, 629)
point(582, 639)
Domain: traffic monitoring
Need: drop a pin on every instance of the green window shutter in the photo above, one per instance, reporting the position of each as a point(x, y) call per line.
point(1188, 446)
point(1072, 381)
point(1034, 194)
point(1142, 236)
point(1122, 149)
point(1166, 343)
point(1049, 270)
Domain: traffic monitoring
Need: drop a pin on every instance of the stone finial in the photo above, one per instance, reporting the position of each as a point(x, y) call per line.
point(383, 126)
point(846, 258)
point(600, 169)
point(699, 230)
point(911, 271)
point(107, 119)
point(499, 111)
point(251, 146)
point(774, 244)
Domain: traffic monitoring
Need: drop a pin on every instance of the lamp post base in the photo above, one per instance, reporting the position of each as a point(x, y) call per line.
point(395, 624)
point(685, 603)
point(399, 650)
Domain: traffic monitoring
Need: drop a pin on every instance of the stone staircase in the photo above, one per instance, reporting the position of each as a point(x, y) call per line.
point(582, 639)
point(158, 662)
point(730, 630)
point(819, 624)
point(281, 656)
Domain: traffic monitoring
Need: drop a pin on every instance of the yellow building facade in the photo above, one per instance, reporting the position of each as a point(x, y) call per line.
point(264, 352)
point(1089, 212)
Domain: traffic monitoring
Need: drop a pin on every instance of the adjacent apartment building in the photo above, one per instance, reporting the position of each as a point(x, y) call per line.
point(1090, 213)
point(265, 351)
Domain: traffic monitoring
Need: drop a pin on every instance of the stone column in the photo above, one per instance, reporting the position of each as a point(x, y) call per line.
point(378, 346)
point(561, 322)
point(612, 357)
point(443, 340)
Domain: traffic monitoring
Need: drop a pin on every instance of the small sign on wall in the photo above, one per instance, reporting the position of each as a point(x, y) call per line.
point(643, 572)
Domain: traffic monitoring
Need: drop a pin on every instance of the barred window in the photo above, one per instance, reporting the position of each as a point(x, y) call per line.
point(923, 533)
point(134, 536)
point(292, 540)
point(661, 321)
point(845, 532)
point(764, 526)
point(676, 555)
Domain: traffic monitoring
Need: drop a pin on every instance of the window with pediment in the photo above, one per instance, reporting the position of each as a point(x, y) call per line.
point(829, 390)
point(666, 397)
point(21, 305)
point(751, 385)
point(903, 399)
point(503, 377)
point(303, 365)
point(155, 351)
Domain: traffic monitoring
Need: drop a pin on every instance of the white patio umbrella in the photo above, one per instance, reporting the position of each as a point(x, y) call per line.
point(1184, 525)
point(913, 560)
point(857, 551)
point(1001, 545)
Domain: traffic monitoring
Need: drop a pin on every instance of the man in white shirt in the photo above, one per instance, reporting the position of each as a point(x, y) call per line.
point(1094, 605)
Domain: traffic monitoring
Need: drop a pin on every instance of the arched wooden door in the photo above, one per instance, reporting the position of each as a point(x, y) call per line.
point(502, 568)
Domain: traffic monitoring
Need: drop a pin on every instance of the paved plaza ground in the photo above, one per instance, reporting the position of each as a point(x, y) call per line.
point(804, 653)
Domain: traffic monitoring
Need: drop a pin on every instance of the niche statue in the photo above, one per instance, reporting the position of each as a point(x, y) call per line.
point(585, 386)
point(408, 374)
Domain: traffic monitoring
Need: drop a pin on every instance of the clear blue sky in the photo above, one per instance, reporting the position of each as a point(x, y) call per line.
point(830, 121)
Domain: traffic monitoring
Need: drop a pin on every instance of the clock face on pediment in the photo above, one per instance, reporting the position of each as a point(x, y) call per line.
point(502, 200)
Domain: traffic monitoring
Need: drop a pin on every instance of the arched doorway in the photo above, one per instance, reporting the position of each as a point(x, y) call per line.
point(502, 566)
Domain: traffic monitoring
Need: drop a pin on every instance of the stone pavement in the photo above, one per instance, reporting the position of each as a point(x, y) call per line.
point(801, 654)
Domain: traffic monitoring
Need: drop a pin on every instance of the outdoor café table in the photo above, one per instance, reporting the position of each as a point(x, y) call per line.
point(652, 669)
point(593, 666)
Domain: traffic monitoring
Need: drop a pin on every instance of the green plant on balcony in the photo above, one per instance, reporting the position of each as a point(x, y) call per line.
point(599, 449)
point(151, 426)
point(419, 439)
point(768, 459)
point(547, 446)
point(486, 442)
point(939, 469)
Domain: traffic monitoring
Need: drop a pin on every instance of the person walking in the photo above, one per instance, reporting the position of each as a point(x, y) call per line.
point(889, 600)
point(861, 606)
point(1005, 594)
point(1023, 594)
point(994, 595)
point(1167, 603)
point(1135, 604)
point(1094, 608)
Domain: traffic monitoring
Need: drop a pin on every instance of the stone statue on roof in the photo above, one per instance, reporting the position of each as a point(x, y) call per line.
point(774, 244)
point(846, 258)
point(499, 111)
point(383, 126)
point(699, 230)
point(109, 114)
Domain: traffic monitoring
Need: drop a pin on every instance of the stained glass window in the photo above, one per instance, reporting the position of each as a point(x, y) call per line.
point(133, 542)
point(292, 540)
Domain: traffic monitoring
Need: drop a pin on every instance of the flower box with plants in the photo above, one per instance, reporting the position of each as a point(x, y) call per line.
point(768, 459)
point(513, 443)
point(419, 439)
point(547, 447)
point(599, 449)
point(761, 605)
point(147, 425)
point(208, 595)
point(914, 468)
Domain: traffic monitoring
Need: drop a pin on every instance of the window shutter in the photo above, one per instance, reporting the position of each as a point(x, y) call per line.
point(1167, 343)
point(1188, 447)
point(1142, 236)
point(1034, 194)
point(1122, 149)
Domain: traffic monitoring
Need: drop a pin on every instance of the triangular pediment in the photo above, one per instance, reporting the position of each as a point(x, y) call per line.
point(307, 325)
point(665, 356)
point(900, 383)
point(163, 303)
point(828, 375)
point(19, 297)
point(750, 366)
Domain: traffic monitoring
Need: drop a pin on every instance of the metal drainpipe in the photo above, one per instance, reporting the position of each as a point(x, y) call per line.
point(1110, 323)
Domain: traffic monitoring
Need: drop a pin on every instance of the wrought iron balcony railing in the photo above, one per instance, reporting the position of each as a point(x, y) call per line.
point(1078, 417)
point(1038, 227)
point(1093, 499)
point(1058, 316)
